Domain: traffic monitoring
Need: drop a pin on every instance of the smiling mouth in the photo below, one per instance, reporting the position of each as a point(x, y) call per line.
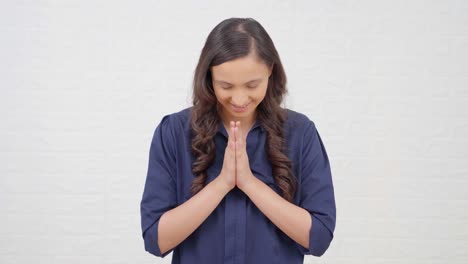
point(244, 106)
point(240, 108)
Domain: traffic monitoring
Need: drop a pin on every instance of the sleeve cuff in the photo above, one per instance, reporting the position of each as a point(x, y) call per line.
point(319, 239)
point(150, 238)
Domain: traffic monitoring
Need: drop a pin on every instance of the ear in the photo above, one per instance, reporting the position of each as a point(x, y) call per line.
point(271, 70)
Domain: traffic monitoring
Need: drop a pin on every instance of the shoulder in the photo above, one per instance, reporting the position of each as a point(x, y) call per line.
point(297, 122)
point(179, 117)
point(176, 122)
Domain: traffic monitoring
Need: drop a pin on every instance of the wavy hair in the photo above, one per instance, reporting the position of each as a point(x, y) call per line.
point(231, 39)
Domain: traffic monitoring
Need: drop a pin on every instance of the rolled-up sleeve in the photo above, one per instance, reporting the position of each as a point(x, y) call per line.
point(317, 192)
point(159, 193)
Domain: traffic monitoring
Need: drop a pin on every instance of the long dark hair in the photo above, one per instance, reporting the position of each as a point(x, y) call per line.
point(231, 39)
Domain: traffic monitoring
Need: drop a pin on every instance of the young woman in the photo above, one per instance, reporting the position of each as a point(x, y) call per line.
point(236, 178)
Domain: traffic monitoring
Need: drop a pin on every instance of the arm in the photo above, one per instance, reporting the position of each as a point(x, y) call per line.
point(165, 222)
point(293, 220)
point(316, 193)
point(178, 223)
point(312, 222)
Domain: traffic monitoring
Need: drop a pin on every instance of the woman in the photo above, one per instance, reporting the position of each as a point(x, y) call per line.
point(235, 178)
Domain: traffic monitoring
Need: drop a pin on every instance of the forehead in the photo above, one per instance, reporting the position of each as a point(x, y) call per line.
point(239, 70)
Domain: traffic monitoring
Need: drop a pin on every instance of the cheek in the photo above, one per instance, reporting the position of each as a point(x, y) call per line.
point(261, 92)
point(221, 96)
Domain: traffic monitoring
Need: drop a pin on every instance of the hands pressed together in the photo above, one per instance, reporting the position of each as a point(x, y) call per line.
point(236, 169)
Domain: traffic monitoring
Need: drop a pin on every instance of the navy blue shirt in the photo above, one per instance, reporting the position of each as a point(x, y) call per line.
point(237, 231)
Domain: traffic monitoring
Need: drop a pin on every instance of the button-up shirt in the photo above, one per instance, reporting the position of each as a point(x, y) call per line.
point(237, 232)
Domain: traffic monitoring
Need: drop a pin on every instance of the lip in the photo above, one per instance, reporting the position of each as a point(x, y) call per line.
point(240, 109)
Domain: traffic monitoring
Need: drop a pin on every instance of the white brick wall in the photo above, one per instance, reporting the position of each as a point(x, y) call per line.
point(84, 83)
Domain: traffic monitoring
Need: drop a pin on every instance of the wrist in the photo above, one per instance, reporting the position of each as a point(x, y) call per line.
point(221, 186)
point(249, 181)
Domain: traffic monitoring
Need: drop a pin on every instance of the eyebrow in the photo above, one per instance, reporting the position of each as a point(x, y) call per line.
point(221, 81)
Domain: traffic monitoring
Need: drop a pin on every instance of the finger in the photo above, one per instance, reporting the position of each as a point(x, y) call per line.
point(233, 135)
point(238, 142)
point(234, 132)
point(240, 136)
point(229, 130)
point(233, 129)
point(231, 141)
point(237, 130)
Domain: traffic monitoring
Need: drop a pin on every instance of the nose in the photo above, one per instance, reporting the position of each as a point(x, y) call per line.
point(240, 103)
point(240, 100)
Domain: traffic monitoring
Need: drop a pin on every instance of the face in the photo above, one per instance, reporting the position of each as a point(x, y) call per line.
point(240, 86)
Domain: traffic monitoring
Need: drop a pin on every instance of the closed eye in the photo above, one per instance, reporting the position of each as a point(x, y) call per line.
point(248, 86)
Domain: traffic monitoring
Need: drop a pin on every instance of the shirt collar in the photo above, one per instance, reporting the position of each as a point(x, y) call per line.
point(222, 129)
